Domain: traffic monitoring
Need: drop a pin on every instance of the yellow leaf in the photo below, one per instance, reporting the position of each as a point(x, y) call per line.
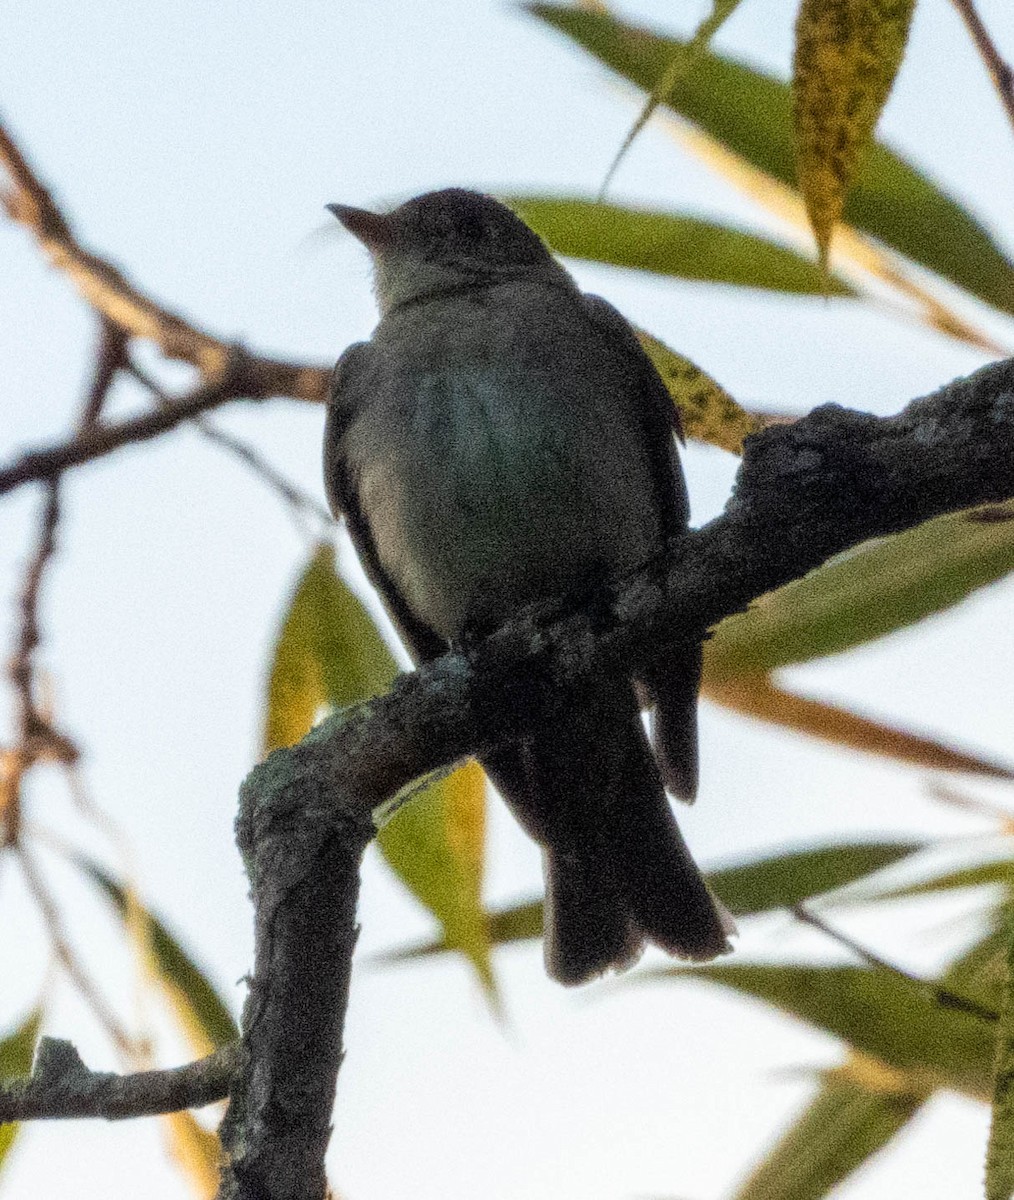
point(708, 412)
point(195, 1151)
point(328, 653)
point(847, 55)
point(436, 845)
point(757, 696)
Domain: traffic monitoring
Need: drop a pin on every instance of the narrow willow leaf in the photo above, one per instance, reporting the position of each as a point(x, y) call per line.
point(774, 881)
point(196, 1153)
point(853, 249)
point(980, 875)
point(329, 654)
point(682, 64)
point(435, 844)
point(847, 55)
point(16, 1051)
point(847, 1121)
point(707, 411)
point(875, 1011)
point(871, 590)
point(671, 244)
point(756, 696)
point(202, 1014)
point(751, 114)
point(980, 974)
point(792, 876)
point(1000, 1155)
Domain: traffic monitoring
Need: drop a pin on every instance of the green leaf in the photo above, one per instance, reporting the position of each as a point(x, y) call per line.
point(790, 877)
point(876, 1012)
point(980, 875)
point(201, 1012)
point(435, 844)
point(707, 412)
point(671, 244)
point(774, 881)
point(851, 1117)
point(847, 55)
point(873, 589)
point(1000, 1155)
point(329, 654)
point(16, 1051)
point(682, 64)
point(751, 113)
point(980, 974)
point(865, 1100)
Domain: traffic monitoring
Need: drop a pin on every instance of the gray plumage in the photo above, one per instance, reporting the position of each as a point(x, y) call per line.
point(502, 438)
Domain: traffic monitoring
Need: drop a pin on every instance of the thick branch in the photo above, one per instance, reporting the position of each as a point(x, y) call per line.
point(61, 1086)
point(804, 493)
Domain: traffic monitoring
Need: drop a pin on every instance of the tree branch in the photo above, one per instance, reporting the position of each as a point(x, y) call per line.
point(114, 297)
point(804, 493)
point(61, 1086)
point(999, 69)
point(238, 378)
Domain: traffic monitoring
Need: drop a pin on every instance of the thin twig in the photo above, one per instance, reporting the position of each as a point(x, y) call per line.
point(111, 357)
point(37, 736)
point(68, 959)
point(943, 996)
point(61, 1086)
point(299, 502)
point(50, 461)
point(1000, 71)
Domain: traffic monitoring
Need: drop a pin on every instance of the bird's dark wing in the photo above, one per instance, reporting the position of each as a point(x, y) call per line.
point(659, 416)
point(348, 392)
point(673, 679)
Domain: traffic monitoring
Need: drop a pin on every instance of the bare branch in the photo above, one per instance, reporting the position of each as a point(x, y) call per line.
point(1000, 71)
point(234, 382)
point(61, 1086)
point(37, 736)
point(804, 493)
point(300, 503)
point(114, 297)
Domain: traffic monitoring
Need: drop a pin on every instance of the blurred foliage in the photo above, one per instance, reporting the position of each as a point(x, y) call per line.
point(1000, 1154)
point(672, 244)
point(203, 1016)
point(16, 1051)
point(750, 113)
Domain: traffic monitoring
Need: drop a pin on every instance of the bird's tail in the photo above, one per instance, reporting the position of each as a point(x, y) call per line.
point(618, 872)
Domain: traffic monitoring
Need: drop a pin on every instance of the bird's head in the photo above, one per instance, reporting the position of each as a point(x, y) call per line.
point(443, 240)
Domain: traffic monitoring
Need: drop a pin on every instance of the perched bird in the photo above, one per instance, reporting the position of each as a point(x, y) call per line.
point(502, 438)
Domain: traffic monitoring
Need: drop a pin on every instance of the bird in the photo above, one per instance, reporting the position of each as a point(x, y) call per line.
point(503, 439)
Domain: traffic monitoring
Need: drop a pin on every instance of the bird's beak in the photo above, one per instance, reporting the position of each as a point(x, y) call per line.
point(374, 230)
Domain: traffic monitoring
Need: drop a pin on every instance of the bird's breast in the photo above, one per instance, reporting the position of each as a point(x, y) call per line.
point(487, 483)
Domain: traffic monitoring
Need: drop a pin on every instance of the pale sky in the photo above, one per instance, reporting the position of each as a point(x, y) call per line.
point(196, 145)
